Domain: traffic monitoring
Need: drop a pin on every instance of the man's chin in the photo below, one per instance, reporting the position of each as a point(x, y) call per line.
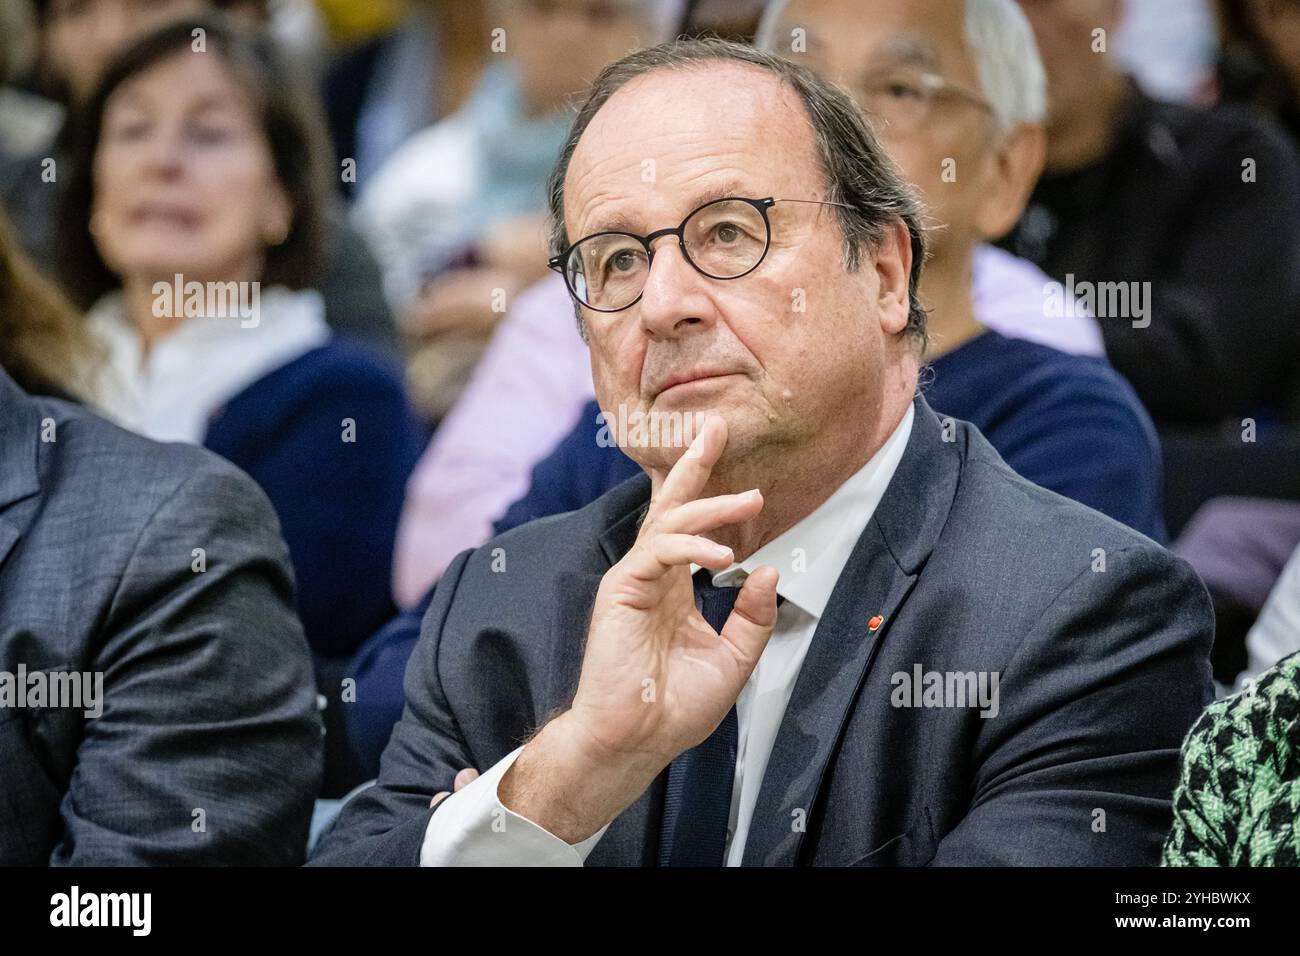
point(669, 436)
point(659, 434)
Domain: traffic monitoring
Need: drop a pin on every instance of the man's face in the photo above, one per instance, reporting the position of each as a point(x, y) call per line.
point(81, 37)
point(1068, 42)
point(781, 352)
point(884, 52)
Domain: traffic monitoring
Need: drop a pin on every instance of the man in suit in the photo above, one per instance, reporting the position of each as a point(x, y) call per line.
point(156, 574)
point(835, 629)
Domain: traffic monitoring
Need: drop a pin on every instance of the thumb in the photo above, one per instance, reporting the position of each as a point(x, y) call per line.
point(750, 625)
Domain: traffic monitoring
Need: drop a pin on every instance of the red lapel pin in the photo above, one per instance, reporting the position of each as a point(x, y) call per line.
point(874, 624)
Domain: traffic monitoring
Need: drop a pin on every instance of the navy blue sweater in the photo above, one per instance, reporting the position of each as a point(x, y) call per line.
point(338, 501)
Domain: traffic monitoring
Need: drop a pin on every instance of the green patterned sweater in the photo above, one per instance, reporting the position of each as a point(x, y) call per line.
point(1238, 802)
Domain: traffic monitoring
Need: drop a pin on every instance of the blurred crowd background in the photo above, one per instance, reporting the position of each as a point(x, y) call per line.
point(379, 167)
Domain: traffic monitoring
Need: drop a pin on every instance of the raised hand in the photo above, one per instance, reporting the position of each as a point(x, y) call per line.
point(656, 678)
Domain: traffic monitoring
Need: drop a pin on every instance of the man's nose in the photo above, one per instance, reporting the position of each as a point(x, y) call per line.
point(675, 295)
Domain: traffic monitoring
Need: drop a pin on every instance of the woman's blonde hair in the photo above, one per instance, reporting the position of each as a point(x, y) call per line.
point(44, 345)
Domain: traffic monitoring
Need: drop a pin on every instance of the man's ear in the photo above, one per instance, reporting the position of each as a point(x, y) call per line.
point(1012, 172)
point(893, 263)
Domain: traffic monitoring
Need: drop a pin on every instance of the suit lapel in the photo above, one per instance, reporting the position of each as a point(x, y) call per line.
point(19, 447)
point(877, 579)
point(838, 659)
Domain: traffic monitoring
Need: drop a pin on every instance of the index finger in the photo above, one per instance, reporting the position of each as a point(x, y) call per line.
point(687, 478)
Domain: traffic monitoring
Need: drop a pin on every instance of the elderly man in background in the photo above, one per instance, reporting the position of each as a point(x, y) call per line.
point(958, 97)
point(825, 688)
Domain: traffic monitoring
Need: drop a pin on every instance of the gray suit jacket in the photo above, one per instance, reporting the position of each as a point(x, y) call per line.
point(1100, 637)
point(208, 747)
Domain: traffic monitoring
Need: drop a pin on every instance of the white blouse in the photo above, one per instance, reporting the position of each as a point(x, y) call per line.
point(170, 393)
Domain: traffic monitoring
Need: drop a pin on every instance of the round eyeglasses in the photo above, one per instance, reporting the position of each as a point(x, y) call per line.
point(723, 239)
point(904, 99)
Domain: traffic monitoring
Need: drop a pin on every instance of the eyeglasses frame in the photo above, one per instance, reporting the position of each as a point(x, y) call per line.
point(647, 242)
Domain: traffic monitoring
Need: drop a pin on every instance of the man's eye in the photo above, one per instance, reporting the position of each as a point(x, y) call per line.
point(623, 261)
point(728, 232)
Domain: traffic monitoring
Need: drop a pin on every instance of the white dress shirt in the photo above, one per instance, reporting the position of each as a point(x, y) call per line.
point(169, 393)
point(473, 828)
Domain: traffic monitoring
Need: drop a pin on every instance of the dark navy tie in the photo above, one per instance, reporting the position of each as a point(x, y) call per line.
point(697, 803)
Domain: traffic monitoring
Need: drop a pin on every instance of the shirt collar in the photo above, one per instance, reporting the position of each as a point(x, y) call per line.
point(811, 555)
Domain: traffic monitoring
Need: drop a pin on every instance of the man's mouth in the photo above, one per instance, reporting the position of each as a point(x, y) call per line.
point(687, 381)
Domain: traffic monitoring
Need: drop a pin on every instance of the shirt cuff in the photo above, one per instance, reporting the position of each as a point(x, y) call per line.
point(473, 828)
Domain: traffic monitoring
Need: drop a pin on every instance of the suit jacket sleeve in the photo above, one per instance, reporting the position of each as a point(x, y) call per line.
point(1079, 765)
point(208, 749)
point(384, 825)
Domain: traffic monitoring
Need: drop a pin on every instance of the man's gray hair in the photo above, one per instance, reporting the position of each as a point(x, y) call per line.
point(857, 172)
point(1001, 43)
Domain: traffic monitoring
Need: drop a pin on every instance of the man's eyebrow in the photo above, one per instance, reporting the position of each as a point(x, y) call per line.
point(723, 190)
point(621, 222)
point(618, 222)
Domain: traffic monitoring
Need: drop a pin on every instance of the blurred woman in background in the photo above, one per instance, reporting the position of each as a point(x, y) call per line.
point(77, 39)
point(192, 232)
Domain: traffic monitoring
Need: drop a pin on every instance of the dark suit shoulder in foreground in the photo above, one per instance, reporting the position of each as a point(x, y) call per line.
point(161, 568)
